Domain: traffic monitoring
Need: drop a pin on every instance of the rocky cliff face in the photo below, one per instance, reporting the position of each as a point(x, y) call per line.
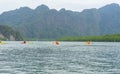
point(1, 36)
point(10, 38)
point(7, 33)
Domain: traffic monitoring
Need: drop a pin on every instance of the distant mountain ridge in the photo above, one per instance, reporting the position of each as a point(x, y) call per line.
point(43, 22)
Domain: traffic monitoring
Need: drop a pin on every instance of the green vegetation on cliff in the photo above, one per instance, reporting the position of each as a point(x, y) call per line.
point(7, 33)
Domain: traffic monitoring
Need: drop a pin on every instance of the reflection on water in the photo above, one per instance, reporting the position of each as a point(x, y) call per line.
point(66, 58)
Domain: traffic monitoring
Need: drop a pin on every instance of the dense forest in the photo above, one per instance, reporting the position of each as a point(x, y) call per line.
point(105, 38)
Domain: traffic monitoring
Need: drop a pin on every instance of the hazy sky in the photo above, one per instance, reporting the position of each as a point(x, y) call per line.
point(75, 5)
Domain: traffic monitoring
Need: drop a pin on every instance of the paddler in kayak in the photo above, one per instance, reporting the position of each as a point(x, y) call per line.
point(2, 42)
point(88, 42)
point(24, 42)
point(57, 42)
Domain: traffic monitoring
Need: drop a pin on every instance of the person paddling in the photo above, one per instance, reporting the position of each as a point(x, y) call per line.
point(88, 42)
point(24, 42)
point(57, 42)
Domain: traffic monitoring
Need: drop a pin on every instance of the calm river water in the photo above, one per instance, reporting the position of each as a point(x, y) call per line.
point(67, 58)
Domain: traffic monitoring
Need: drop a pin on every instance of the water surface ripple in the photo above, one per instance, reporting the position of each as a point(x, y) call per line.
point(67, 58)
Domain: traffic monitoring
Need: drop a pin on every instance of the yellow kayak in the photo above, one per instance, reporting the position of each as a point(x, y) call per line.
point(2, 43)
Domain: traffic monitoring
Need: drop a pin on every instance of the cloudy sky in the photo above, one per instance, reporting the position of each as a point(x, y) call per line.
point(75, 5)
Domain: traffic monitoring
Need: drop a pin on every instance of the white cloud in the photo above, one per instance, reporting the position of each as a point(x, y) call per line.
point(77, 5)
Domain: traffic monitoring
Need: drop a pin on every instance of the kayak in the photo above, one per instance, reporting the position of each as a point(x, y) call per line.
point(27, 43)
point(2, 43)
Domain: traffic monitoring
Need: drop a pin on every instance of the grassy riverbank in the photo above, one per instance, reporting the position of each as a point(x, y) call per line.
point(105, 38)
